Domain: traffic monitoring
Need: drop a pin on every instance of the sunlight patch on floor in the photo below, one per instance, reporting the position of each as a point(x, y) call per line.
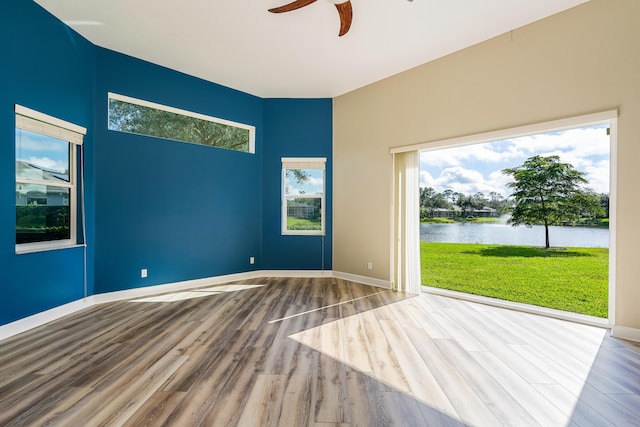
point(374, 342)
point(322, 308)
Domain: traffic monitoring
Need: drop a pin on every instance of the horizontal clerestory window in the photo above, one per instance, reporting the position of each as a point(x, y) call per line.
point(141, 117)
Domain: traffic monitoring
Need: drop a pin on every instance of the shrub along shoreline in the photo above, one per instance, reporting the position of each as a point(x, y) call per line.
point(568, 279)
point(600, 222)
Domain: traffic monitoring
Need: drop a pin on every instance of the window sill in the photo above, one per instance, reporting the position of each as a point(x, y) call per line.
point(34, 249)
point(302, 233)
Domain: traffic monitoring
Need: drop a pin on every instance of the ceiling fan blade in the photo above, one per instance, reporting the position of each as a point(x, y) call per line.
point(291, 6)
point(346, 15)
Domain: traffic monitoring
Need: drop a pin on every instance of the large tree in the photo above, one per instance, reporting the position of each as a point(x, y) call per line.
point(547, 191)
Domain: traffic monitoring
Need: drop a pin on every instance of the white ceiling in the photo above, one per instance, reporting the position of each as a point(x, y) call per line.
point(239, 44)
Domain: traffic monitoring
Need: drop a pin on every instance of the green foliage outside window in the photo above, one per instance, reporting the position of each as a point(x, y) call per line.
point(549, 192)
point(304, 214)
point(39, 223)
point(142, 120)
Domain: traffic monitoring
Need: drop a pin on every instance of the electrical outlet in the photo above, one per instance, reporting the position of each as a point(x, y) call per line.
point(143, 273)
point(252, 260)
point(369, 266)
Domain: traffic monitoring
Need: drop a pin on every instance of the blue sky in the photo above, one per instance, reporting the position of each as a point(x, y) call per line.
point(313, 185)
point(476, 168)
point(45, 151)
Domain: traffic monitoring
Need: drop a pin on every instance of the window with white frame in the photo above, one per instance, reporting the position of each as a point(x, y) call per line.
point(131, 115)
point(303, 200)
point(46, 177)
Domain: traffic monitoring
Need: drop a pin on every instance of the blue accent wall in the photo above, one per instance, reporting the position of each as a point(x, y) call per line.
point(295, 128)
point(182, 211)
point(49, 68)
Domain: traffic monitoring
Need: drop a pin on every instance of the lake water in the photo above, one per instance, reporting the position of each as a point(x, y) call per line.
point(502, 234)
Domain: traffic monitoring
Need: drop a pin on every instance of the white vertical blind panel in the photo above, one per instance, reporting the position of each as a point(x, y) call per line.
point(407, 222)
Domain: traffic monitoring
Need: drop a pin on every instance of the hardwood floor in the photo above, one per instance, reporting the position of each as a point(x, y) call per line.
point(315, 352)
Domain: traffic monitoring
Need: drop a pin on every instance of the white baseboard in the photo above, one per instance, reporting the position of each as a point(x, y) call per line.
point(626, 333)
point(363, 279)
point(38, 319)
point(173, 287)
point(295, 273)
point(22, 325)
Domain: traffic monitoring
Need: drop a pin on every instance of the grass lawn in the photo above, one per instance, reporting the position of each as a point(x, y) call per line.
point(572, 279)
point(303, 224)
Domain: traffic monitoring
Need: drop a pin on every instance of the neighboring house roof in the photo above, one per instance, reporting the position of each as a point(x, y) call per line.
point(32, 171)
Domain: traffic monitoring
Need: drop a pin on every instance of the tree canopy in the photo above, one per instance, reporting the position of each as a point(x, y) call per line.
point(547, 191)
point(430, 200)
point(133, 118)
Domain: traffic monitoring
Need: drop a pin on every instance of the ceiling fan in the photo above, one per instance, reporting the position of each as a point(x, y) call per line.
point(344, 10)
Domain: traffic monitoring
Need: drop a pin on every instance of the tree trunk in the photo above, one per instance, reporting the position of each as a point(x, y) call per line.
point(546, 236)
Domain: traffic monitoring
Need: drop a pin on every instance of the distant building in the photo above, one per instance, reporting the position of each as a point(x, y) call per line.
point(36, 194)
point(443, 213)
point(301, 210)
point(485, 212)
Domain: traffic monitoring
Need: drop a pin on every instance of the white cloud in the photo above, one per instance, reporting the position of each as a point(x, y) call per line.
point(47, 163)
point(426, 180)
point(459, 155)
point(445, 157)
point(312, 185)
point(314, 182)
point(477, 167)
point(500, 181)
point(598, 176)
point(571, 144)
point(459, 175)
point(465, 181)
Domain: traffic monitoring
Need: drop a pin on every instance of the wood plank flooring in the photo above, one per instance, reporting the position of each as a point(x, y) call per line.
point(315, 352)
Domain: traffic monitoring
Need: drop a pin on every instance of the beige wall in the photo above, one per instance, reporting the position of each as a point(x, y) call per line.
point(584, 60)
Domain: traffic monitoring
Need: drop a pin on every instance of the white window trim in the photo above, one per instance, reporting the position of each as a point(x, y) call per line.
point(609, 117)
point(515, 132)
point(303, 163)
point(47, 121)
point(34, 121)
point(149, 104)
